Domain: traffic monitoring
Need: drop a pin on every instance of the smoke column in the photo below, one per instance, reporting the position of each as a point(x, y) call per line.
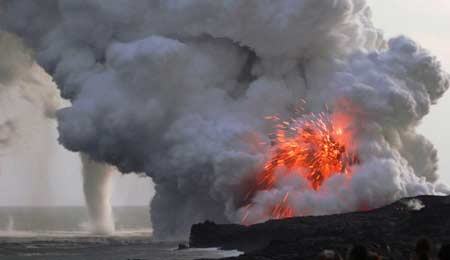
point(180, 89)
point(97, 185)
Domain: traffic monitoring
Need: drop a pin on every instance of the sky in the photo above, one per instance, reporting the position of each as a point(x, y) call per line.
point(426, 21)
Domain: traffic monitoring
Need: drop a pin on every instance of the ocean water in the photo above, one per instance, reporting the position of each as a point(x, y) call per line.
point(57, 233)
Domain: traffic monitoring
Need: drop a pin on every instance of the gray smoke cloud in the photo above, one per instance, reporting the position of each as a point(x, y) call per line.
point(176, 89)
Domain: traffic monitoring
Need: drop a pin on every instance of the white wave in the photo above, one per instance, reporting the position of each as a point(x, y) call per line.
point(74, 234)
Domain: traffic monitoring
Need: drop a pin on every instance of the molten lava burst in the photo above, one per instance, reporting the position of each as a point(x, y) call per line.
point(316, 146)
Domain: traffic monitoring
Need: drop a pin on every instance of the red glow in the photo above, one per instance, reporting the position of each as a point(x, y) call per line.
point(317, 146)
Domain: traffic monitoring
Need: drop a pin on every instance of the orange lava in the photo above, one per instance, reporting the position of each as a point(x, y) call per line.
point(316, 146)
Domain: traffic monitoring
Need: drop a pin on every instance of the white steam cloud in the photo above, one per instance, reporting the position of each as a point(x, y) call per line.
point(97, 185)
point(28, 103)
point(175, 88)
point(23, 88)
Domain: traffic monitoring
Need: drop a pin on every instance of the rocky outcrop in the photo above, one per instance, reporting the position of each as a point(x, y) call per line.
point(391, 231)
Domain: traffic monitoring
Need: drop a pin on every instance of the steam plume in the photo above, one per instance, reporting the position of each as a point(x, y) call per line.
point(28, 103)
point(97, 184)
point(179, 89)
point(23, 87)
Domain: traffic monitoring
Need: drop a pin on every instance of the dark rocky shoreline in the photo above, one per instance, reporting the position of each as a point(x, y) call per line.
point(390, 231)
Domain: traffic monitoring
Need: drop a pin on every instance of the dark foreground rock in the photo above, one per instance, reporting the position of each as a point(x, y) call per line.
point(390, 231)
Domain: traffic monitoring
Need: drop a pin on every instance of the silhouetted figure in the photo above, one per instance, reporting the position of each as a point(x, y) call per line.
point(444, 252)
point(423, 250)
point(329, 255)
point(358, 252)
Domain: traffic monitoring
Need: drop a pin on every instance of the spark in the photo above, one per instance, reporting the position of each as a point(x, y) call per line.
point(315, 146)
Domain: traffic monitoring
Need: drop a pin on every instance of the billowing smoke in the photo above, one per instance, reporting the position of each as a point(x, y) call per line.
point(180, 89)
point(97, 185)
point(23, 89)
point(28, 103)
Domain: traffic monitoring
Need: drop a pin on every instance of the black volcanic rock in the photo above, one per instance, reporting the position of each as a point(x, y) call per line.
point(390, 231)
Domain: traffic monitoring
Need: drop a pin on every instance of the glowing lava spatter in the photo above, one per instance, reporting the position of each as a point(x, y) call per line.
point(316, 146)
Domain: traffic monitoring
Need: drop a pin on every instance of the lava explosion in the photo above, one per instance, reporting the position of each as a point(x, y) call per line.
point(169, 88)
point(316, 146)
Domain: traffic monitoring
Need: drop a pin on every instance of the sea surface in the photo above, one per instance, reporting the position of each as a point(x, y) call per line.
point(60, 233)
